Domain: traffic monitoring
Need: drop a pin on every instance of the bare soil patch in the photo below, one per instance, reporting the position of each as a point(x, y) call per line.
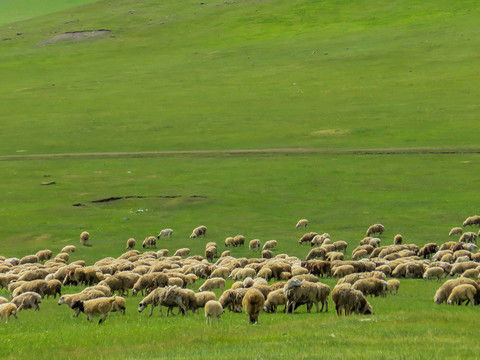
point(75, 35)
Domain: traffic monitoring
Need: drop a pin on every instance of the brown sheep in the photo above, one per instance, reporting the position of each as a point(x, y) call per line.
point(130, 243)
point(371, 286)
point(253, 303)
point(375, 229)
point(84, 236)
point(301, 223)
point(461, 293)
point(348, 300)
point(198, 231)
point(397, 239)
point(307, 237)
point(317, 252)
point(318, 268)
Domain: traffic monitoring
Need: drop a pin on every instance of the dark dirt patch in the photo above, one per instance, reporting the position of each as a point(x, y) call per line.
point(116, 198)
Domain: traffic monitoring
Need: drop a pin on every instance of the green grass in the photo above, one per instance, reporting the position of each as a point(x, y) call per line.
point(341, 77)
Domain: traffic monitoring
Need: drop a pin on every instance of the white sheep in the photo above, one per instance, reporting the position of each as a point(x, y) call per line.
point(182, 252)
point(200, 230)
point(165, 233)
point(301, 223)
point(84, 236)
point(7, 310)
point(434, 272)
point(69, 249)
point(270, 244)
point(393, 285)
point(274, 299)
point(461, 293)
point(95, 307)
point(149, 242)
point(213, 309)
point(213, 283)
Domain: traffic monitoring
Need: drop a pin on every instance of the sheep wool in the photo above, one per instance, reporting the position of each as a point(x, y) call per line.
point(253, 303)
point(213, 310)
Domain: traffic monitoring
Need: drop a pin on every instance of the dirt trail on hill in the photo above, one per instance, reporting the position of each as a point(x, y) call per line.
point(327, 151)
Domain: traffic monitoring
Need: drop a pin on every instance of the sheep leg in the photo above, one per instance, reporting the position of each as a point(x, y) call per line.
point(316, 304)
point(151, 311)
point(89, 318)
point(103, 318)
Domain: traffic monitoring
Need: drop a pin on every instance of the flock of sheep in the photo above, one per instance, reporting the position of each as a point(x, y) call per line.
point(168, 281)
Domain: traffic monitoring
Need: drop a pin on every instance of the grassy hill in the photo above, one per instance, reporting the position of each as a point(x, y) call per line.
point(384, 93)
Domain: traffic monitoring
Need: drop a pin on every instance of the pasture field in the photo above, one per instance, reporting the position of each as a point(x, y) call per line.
point(385, 94)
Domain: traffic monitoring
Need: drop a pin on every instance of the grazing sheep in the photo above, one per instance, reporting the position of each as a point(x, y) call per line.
point(397, 239)
point(334, 256)
point(341, 271)
point(455, 231)
point(254, 244)
point(221, 271)
point(182, 252)
point(202, 298)
point(229, 241)
point(270, 244)
point(54, 287)
point(149, 281)
point(340, 246)
point(225, 253)
point(7, 310)
point(393, 285)
point(471, 273)
point(213, 309)
point(318, 240)
point(69, 249)
point(371, 286)
point(27, 300)
point(95, 307)
point(317, 252)
point(267, 254)
point(231, 299)
point(130, 244)
point(3, 300)
point(428, 250)
point(301, 223)
point(165, 233)
point(360, 254)
point(434, 272)
point(461, 293)
point(468, 237)
point(445, 290)
point(213, 283)
point(149, 242)
point(304, 292)
point(307, 237)
point(472, 220)
point(375, 229)
point(84, 236)
point(265, 273)
point(200, 230)
point(210, 253)
point(44, 255)
point(318, 268)
point(253, 303)
point(274, 299)
point(238, 240)
point(348, 300)
point(38, 286)
point(169, 296)
point(459, 268)
point(375, 242)
point(29, 259)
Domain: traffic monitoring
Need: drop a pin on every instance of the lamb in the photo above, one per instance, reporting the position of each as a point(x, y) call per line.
point(350, 300)
point(130, 244)
point(397, 239)
point(95, 307)
point(375, 229)
point(165, 233)
point(274, 299)
point(461, 293)
point(84, 236)
point(149, 242)
point(182, 252)
point(301, 223)
point(213, 283)
point(253, 303)
point(213, 309)
point(307, 237)
point(371, 286)
point(27, 300)
point(44, 255)
point(317, 252)
point(254, 244)
point(270, 244)
point(68, 249)
point(200, 230)
point(7, 310)
point(393, 285)
point(434, 272)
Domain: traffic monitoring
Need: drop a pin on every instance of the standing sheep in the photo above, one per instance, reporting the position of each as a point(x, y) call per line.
point(253, 303)
point(393, 285)
point(301, 223)
point(274, 299)
point(270, 244)
point(375, 229)
point(28, 300)
point(165, 233)
point(84, 236)
point(95, 307)
point(213, 283)
point(434, 272)
point(213, 309)
point(397, 239)
point(7, 310)
point(130, 244)
point(150, 241)
point(200, 230)
point(461, 293)
point(455, 231)
point(254, 244)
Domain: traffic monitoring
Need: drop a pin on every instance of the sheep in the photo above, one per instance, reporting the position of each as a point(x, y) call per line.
point(375, 242)
point(84, 236)
point(350, 300)
point(200, 230)
point(38, 286)
point(7, 310)
point(149, 242)
point(254, 244)
point(274, 299)
point(253, 303)
point(318, 268)
point(471, 273)
point(397, 239)
point(54, 287)
point(44, 255)
point(360, 254)
point(95, 307)
point(334, 256)
point(225, 253)
point(130, 243)
point(459, 268)
point(3, 300)
point(221, 271)
point(455, 231)
point(213, 283)
point(29, 259)
point(393, 285)
point(30, 275)
point(375, 229)
point(265, 273)
point(371, 286)
point(468, 237)
point(168, 296)
point(27, 300)
point(238, 240)
point(341, 271)
point(340, 246)
point(182, 252)
point(304, 292)
point(445, 290)
point(149, 281)
point(86, 294)
point(165, 233)
point(301, 223)
point(213, 309)
point(318, 240)
point(472, 220)
point(317, 252)
point(461, 293)
point(69, 249)
point(434, 272)
point(202, 298)
point(428, 250)
point(270, 244)
point(210, 253)
point(307, 237)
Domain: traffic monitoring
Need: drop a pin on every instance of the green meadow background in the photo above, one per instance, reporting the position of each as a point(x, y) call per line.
point(380, 97)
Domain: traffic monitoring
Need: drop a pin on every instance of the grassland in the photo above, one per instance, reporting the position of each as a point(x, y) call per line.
point(384, 92)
